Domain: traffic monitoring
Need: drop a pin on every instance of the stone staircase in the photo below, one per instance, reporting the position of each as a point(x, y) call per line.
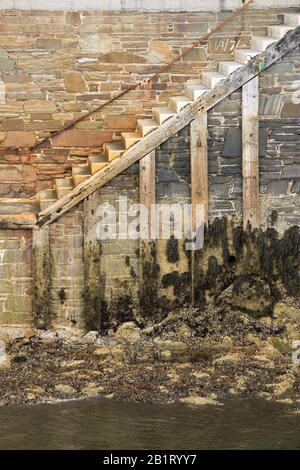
point(193, 92)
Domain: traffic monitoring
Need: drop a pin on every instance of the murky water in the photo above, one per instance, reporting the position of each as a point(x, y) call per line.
point(105, 424)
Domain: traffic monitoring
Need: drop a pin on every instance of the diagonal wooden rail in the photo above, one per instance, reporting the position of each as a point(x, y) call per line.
point(146, 81)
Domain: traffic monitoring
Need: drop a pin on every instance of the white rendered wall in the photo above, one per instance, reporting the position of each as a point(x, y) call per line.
point(141, 5)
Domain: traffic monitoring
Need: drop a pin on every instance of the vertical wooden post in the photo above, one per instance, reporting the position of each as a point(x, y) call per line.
point(199, 167)
point(147, 261)
point(147, 184)
point(250, 96)
point(41, 266)
point(93, 282)
point(199, 179)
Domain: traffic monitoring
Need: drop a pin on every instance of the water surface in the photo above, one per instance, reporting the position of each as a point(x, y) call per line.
point(106, 424)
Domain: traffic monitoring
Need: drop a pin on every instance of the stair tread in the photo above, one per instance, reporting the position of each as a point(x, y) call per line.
point(114, 146)
point(80, 170)
point(47, 194)
point(16, 206)
point(196, 86)
point(231, 64)
point(147, 122)
point(281, 28)
point(64, 182)
point(179, 102)
point(97, 159)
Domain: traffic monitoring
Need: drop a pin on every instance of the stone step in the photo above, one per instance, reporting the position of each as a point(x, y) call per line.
point(47, 197)
point(130, 138)
point(292, 19)
point(161, 115)
point(18, 211)
point(113, 150)
point(177, 103)
point(97, 162)
point(244, 55)
point(278, 31)
point(260, 43)
point(229, 66)
point(145, 126)
point(211, 79)
point(63, 186)
point(195, 90)
point(80, 173)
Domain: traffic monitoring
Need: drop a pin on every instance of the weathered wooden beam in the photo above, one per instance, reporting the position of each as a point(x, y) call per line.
point(147, 185)
point(224, 88)
point(199, 180)
point(250, 103)
point(93, 281)
point(41, 267)
point(199, 168)
point(147, 250)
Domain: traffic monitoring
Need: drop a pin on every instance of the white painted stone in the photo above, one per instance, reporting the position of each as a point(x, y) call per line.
point(141, 5)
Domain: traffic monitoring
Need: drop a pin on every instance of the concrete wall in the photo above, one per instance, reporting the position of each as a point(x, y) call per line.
point(141, 5)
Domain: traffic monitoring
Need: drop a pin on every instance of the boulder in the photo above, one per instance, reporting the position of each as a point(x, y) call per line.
point(129, 332)
point(65, 389)
point(248, 294)
point(91, 390)
point(199, 401)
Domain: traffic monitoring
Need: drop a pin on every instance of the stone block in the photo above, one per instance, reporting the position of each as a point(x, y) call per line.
point(159, 51)
point(76, 138)
point(74, 82)
point(18, 139)
point(101, 43)
point(49, 43)
point(39, 106)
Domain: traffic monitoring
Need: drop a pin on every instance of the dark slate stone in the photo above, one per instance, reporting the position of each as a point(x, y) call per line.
point(277, 187)
point(233, 142)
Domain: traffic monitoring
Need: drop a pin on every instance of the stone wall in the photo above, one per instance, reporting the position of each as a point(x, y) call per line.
point(57, 65)
point(87, 276)
point(16, 282)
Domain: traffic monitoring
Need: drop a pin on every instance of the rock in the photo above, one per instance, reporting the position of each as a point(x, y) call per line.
point(185, 330)
point(36, 390)
point(148, 331)
point(234, 358)
point(30, 396)
point(288, 312)
point(284, 386)
point(4, 339)
point(266, 349)
point(176, 347)
point(166, 355)
point(91, 390)
point(5, 361)
point(201, 376)
point(249, 295)
point(128, 332)
point(63, 334)
point(103, 352)
point(65, 389)
point(90, 337)
point(198, 401)
point(14, 333)
point(72, 364)
point(19, 358)
point(47, 337)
